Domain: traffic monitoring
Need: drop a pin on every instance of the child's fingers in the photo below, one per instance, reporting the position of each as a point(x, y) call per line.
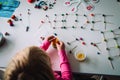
point(58, 43)
point(51, 38)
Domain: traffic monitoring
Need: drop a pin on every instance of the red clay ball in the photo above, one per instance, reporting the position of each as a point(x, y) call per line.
point(31, 1)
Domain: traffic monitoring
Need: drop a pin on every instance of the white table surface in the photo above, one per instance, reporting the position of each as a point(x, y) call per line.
point(94, 64)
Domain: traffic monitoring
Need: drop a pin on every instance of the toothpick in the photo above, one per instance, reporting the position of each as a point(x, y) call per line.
point(110, 59)
point(72, 49)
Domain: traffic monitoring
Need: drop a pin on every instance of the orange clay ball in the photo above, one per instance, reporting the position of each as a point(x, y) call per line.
point(54, 42)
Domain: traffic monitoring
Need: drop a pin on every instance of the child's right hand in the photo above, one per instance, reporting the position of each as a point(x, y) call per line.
point(60, 46)
point(50, 38)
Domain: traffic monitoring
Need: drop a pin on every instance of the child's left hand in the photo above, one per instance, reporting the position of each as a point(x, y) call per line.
point(50, 38)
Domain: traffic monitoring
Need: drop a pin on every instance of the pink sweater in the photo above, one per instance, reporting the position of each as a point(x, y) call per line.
point(66, 73)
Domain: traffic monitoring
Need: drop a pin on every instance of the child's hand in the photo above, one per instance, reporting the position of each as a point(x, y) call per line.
point(60, 45)
point(50, 38)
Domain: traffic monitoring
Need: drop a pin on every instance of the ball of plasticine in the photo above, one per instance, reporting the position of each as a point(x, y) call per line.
point(31, 1)
point(54, 42)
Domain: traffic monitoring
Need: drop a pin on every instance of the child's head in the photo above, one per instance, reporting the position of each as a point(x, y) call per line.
point(32, 63)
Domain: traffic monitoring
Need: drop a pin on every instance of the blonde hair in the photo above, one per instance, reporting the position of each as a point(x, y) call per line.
point(31, 63)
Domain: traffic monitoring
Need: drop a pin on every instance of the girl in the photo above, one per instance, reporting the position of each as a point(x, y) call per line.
point(33, 63)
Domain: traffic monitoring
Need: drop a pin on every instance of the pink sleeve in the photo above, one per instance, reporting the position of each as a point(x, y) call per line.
point(65, 66)
point(45, 45)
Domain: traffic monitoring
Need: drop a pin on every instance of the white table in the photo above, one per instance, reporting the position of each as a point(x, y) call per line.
point(94, 64)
